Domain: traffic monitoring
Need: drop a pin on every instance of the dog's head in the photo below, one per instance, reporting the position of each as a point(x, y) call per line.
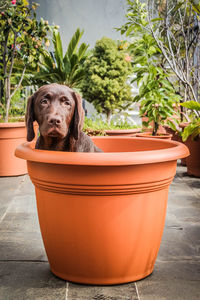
point(58, 111)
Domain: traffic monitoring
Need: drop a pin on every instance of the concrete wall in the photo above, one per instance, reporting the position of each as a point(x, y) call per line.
point(97, 17)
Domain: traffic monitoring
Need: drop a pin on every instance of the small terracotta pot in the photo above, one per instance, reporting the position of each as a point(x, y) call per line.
point(123, 132)
point(165, 136)
point(193, 161)
point(183, 125)
point(11, 135)
point(175, 135)
point(102, 215)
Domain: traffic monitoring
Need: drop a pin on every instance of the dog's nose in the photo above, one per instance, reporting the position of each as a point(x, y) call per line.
point(55, 120)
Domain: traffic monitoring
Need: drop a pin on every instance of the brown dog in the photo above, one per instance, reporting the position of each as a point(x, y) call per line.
point(59, 113)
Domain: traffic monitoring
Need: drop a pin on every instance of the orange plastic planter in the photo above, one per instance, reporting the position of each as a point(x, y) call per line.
point(102, 214)
point(11, 135)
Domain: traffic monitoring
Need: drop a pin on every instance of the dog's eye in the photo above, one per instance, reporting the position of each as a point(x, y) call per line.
point(66, 102)
point(44, 101)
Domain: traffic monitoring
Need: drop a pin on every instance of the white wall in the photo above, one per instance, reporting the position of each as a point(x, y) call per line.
point(97, 17)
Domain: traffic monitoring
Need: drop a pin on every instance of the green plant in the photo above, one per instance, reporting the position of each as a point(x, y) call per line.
point(97, 126)
point(193, 129)
point(157, 95)
point(64, 69)
point(174, 27)
point(157, 110)
point(106, 74)
point(22, 39)
point(18, 104)
point(94, 126)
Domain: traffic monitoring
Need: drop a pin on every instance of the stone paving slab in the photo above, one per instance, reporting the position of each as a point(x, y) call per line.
point(8, 187)
point(172, 281)
point(21, 247)
point(24, 269)
point(117, 292)
point(29, 281)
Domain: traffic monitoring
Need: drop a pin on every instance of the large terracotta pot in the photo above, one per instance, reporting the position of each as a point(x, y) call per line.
point(163, 136)
point(102, 214)
point(11, 135)
point(193, 161)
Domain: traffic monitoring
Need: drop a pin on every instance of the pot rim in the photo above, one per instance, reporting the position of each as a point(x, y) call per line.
point(174, 151)
point(15, 124)
point(130, 130)
point(149, 134)
point(12, 124)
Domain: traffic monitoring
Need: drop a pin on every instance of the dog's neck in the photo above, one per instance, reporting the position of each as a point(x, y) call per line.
point(50, 143)
point(56, 144)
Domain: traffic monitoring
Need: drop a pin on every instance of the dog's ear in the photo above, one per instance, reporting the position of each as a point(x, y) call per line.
point(30, 118)
point(78, 118)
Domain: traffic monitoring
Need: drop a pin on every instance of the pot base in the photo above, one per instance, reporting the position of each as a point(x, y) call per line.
point(101, 281)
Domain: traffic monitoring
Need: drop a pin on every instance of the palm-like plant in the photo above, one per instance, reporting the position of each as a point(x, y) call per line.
point(64, 69)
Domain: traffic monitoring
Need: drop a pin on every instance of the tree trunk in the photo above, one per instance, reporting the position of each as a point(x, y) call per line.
point(155, 129)
point(109, 114)
point(7, 98)
point(8, 95)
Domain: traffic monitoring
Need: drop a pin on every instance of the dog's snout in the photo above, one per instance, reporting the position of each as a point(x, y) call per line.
point(54, 120)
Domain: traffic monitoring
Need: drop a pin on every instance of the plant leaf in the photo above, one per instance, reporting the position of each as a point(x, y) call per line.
point(193, 105)
point(74, 43)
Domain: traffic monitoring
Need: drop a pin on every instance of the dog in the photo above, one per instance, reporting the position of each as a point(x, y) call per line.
point(59, 113)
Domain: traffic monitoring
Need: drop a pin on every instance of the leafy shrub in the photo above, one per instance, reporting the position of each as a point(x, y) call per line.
point(106, 73)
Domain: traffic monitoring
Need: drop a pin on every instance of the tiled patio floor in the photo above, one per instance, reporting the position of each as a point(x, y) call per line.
point(24, 270)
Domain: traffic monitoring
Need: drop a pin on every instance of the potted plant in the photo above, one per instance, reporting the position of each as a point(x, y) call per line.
point(21, 39)
point(157, 112)
point(156, 94)
point(191, 137)
point(105, 84)
point(165, 41)
point(159, 102)
point(102, 212)
point(96, 126)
